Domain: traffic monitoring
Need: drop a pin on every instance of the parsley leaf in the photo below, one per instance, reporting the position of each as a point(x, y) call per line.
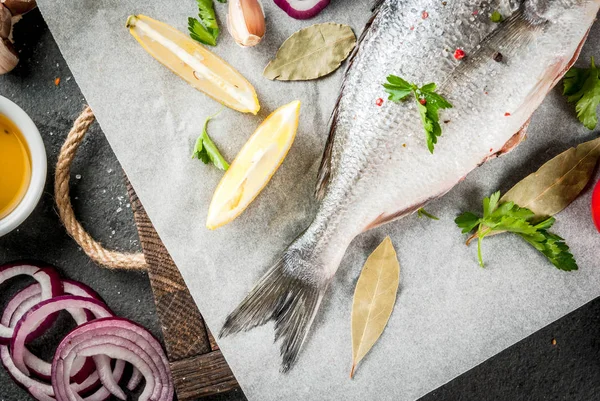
point(428, 104)
point(467, 221)
point(398, 88)
point(582, 86)
point(424, 213)
point(508, 217)
point(207, 151)
point(205, 30)
point(496, 17)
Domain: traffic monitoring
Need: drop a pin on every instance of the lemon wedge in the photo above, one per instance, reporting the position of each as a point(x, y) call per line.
point(192, 62)
point(254, 166)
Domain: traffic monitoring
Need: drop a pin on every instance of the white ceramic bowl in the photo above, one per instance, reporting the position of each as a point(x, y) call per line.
point(38, 165)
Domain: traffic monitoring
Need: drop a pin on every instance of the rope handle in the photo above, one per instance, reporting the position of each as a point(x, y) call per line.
point(99, 254)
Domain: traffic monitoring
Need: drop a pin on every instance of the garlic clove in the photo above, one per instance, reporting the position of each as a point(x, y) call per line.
point(18, 7)
point(5, 22)
point(246, 22)
point(8, 57)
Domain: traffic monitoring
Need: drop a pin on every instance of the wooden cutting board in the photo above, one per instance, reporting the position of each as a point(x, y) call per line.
point(197, 365)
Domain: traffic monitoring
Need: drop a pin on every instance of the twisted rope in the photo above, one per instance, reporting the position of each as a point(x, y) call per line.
point(110, 259)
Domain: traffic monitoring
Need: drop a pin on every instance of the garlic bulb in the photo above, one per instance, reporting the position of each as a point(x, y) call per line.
point(246, 22)
point(18, 7)
point(8, 57)
point(5, 22)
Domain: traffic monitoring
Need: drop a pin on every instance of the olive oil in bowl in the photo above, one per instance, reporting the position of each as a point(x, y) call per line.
point(15, 166)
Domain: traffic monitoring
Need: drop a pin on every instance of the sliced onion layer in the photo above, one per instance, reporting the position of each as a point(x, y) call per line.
point(302, 9)
point(14, 310)
point(51, 286)
point(45, 308)
point(119, 339)
point(45, 392)
point(83, 367)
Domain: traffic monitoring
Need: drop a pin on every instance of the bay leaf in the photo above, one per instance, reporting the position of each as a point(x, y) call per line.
point(374, 299)
point(558, 182)
point(312, 52)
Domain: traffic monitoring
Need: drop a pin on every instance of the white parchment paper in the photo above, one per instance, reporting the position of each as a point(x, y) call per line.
point(450, 316)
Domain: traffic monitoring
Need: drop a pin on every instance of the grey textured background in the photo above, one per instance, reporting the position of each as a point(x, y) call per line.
point(533, 369)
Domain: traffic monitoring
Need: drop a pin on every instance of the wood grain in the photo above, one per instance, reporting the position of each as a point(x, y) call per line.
point(197, 365)
point(202, 375)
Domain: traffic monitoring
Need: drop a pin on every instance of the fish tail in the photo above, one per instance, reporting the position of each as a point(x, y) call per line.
point(288, 297)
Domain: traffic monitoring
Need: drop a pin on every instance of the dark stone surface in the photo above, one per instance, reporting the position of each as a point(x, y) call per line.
point(533, 369)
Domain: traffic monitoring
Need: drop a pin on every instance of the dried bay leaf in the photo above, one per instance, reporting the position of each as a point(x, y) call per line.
point(558, 182)
point(374, 299)
point(312, 53)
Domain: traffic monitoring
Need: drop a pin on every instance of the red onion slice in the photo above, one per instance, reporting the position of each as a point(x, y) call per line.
point(15, 309)
point(44, 392)
point(51, 286)
point(142, 361)
point(120, 339)
point(18, 306)
point(302, 9)
point(75, 305)
point(135, 379)
point(83, 367)
point(39, 312)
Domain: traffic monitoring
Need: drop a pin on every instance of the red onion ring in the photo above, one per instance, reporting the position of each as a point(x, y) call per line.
point(51, 286)
point(120, 339)
point(34, 309)
point(75, 306)
point(41, 368)
point(42, 391)
point(135, 380)
point(302, 9)
point(45, 392)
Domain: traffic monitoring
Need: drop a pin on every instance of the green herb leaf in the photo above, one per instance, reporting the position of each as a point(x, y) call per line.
point(509, 217)
point(429, 104)
point(496, 17)
point(199, 33)
point(554, 247)
point(207, 151)
point(490, 204)
point(424, 213)
point(205, 30)
point(582, 86)
point(398, 88)
point(467, 221)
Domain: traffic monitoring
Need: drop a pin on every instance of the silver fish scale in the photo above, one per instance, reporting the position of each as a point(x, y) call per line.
point(428, 42)
point(380, 163)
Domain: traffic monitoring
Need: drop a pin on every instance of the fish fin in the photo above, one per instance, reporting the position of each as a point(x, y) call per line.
point(325, 168)
point(386, 218)
point(285, 296)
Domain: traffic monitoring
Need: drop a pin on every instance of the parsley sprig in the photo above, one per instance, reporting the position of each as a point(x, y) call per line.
point(206, 150)
point(508, 217)
point(205, 30)
point(428, 103)
point(582, 86)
